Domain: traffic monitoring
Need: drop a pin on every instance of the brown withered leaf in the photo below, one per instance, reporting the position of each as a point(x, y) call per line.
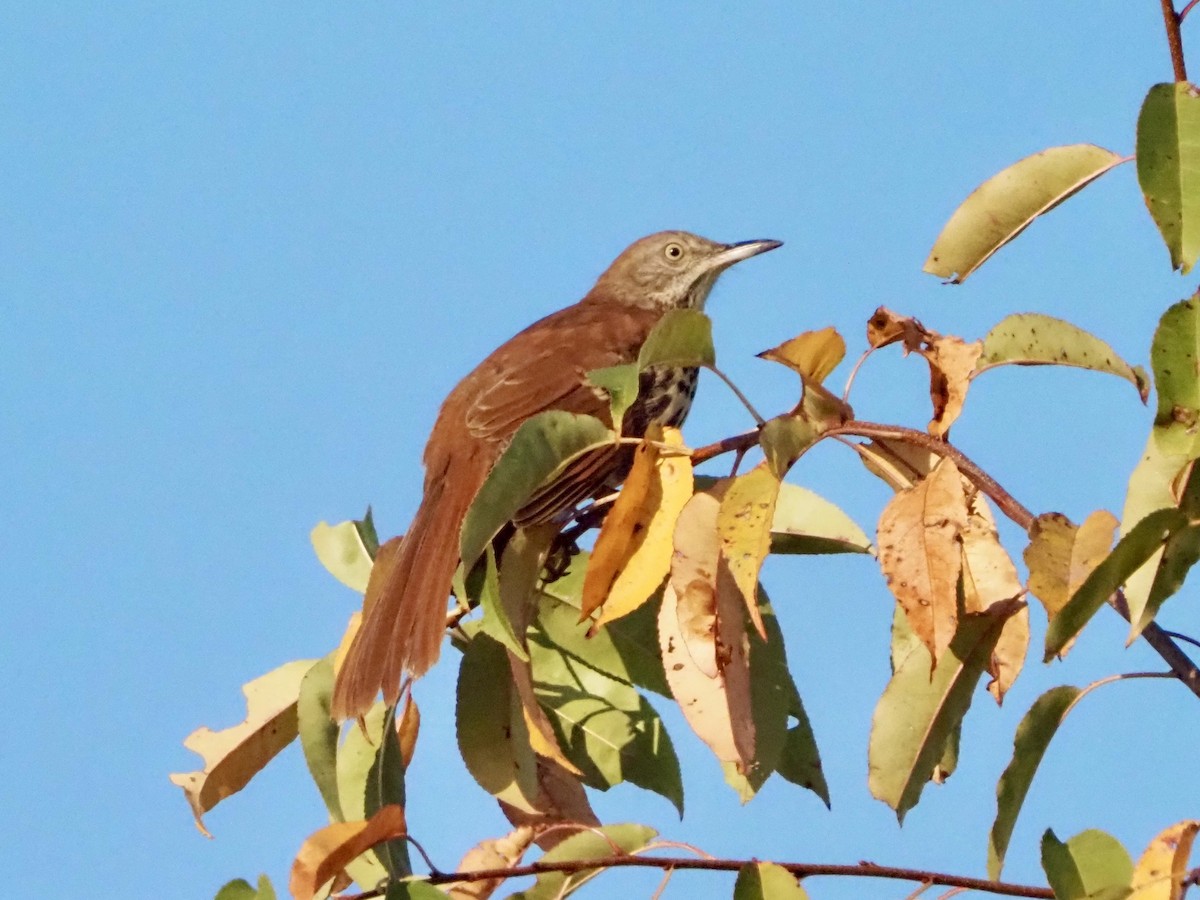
point(633, 550)
point(919, 552)
point(716, 703)
point(326, 852)
point(744, 524)
point(887, 327)
point(988, 573)
point(989, 578)
point(900, 465)
point(235, 755)
point(560, 800)
point(408, 726)
point(813, 354)
point(496, 853)
point(951, 365)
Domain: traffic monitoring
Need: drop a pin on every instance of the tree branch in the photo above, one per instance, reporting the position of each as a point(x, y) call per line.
point(1183, 667)
point(800, 870)
point(1171, 20)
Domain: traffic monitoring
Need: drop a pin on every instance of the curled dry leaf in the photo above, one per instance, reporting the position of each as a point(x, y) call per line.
point(951, 364)
point(920, 554)
point(327, 852)
point(497, 853)
point(897, 464)
point(235, 755)
point(887, 327)
point(560, 800)
point(744, 524)
point(1160, 872)
point(633, 550)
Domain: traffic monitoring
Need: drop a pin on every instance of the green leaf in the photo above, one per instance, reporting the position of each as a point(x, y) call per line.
point(625, 649)
point(1004, 205)
point(800, 761)
point(355, 759)
point(783, 440)
point(682, 337)
point(621, 384)
point(1168, 167)
point(413, 890)
point(367, 534)
point(593, 844)
point(1033, 736)
point(767, 881)
point(1090, 866)
point(539, 449)
point(806, 522)
point(492, 735)
point(240, 889)
point(496, 623)
point(1142, 542)
point(1031, 339)
point(774, 698)
point(605, 726)
point(385, 786)
point(341, 550)
point(1173, 356)
point(319, 733)
point(917, 712)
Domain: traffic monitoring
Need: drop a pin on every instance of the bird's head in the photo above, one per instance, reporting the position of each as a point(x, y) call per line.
point(672, 269)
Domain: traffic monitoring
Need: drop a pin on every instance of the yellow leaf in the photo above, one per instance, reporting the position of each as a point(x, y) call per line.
point(898, 464)
point(1008, 656)
point(715, 700)
point(744, 523)
point(341, 551)
point(235, 755)
point(327, 852)
point(408, 725)
point(1061, 556)
point(633, 554)
point(814, 354)
point(951, 365)
point(919, 553)
point(343, 647)
point(1161, 869)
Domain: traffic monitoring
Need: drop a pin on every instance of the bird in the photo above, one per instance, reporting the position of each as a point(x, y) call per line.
point(545, 367)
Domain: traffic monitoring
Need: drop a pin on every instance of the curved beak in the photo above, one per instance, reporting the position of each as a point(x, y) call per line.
point(735, 253)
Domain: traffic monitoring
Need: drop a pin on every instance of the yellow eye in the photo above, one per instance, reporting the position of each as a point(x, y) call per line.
point(673, 251)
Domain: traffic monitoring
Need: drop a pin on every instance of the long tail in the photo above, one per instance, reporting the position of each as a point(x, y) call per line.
point(405, 605)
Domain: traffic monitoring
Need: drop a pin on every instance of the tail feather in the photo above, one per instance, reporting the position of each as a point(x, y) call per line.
point(404, 623)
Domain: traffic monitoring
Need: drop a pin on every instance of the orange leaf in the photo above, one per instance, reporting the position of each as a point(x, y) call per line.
point(496, 853)
point(325, 853)
point(920, 556)
point(633, 551)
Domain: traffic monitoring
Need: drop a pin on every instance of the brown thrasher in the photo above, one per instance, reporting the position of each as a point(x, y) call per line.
point(544, 367)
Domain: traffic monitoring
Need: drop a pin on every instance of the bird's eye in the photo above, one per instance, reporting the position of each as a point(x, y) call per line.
point(673, 251)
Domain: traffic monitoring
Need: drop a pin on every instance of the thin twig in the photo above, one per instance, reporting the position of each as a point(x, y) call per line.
point(1175, 634)
point(1187, 9)
point(1171, 20)
point(759, 420)
point(800, 870)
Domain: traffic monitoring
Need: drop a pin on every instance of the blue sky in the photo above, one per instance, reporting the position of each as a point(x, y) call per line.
point(248, 248)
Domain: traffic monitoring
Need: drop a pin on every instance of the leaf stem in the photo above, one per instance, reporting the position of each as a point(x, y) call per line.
point(1171, 20)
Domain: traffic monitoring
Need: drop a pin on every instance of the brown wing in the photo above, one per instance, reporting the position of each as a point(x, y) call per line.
point(543, 368)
